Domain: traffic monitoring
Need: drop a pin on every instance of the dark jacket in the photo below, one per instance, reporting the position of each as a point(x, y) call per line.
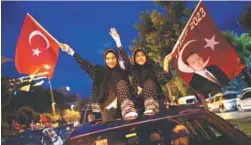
point(103, 80)
point(204, 86)
point(140, 74)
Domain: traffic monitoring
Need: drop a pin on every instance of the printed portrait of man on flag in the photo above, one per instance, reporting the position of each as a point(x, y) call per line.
point(203, 56)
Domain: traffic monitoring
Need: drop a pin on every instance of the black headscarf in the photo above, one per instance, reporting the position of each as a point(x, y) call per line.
point(111, 76)
point(143, 72)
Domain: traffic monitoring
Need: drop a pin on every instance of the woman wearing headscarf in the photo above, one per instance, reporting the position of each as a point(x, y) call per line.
point(146, 77)
point(110, 84)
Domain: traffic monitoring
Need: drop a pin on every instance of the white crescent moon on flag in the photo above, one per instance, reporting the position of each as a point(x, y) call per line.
point(181, 65)
point(36, 32)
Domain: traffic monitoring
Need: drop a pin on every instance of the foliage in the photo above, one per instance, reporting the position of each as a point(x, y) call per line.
point(158, 33)
point(71, 115)
point(246, 19)
point(25, 115)
point(242, 44)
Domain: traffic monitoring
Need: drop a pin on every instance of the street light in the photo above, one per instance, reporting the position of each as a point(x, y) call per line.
point(72, 106)
point(67, 88)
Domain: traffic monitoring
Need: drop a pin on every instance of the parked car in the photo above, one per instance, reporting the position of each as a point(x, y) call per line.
point(185, 124)
point(191, 99)
point(244, 102)
point(245, 89)
point(223, 102)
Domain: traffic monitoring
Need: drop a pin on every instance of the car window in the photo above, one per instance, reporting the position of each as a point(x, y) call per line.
point(144, 134)
point(165, 132)
point(212, 94)
point(215, 132)
point(219, 131)
point(208, 130)
point(181, 130)
point(246, 95)
point(190, 101)
point(245, 90)
point(229, 96)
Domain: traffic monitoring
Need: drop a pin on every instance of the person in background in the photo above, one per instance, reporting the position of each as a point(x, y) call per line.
point(180, 135)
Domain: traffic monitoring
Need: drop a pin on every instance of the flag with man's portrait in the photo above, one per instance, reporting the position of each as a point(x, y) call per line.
point(202, 39)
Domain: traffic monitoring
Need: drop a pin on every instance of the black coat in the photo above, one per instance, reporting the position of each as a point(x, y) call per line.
point(204, 86)
point(149, 71)
point(101, 77)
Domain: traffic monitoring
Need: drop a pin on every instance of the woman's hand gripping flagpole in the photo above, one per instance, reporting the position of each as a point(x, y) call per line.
point(167, 61)
point(67, 48)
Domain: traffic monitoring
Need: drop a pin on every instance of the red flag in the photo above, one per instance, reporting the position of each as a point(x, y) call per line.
point(202, 53)
point(16, 125)
point(36, 51)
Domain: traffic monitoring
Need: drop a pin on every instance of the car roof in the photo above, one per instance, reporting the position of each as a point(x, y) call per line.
point(246, 90)
point(230, 92)
point(88, 129)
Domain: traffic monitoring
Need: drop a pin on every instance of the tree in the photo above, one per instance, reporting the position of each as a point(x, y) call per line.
point(7, 90)
point(242, 45)
point(38, 98)
point(246, 19)
point(26, 115)
point(159, 32)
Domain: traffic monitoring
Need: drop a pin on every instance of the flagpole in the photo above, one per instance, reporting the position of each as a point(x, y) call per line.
point(52, 98)
point(43, 28)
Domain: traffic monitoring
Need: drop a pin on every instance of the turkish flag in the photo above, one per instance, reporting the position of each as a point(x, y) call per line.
point(16, 125)
point(201, 43)
point(36, 51)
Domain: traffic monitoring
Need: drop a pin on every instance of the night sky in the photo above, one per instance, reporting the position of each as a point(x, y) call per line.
point(85, 27)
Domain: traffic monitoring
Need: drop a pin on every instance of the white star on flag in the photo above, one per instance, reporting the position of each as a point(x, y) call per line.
point(36, 51)
point(211, 42)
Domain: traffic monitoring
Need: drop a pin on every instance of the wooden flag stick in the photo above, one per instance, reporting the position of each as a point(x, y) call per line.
point(52, 98)
point(43, 28)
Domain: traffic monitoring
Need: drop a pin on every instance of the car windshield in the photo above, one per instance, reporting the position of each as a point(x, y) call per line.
point(190, 101)
point(188, 130)
point(229, 96)
point(247, 95)
point(245, 90)
point(213, 94)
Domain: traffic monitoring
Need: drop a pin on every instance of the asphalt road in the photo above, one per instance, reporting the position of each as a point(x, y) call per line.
point(235, 115)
